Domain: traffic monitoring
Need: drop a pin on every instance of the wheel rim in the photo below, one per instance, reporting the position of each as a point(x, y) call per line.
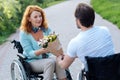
point(17, 71)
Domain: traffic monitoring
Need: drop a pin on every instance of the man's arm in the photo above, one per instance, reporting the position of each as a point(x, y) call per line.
point(65, 61)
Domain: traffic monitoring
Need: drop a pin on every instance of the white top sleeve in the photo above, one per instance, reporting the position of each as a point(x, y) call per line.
point(71, 49)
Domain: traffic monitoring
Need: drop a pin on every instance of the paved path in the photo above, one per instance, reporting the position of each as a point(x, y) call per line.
point(61, 19)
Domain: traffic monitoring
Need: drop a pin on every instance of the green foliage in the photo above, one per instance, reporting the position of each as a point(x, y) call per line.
point(55, 2)
point(108, 9)
point(11, 12)
point(8, 16)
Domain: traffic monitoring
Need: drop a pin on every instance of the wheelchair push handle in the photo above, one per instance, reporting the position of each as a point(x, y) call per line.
point(18, 46)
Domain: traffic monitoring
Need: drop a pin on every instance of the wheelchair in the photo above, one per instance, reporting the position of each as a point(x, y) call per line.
point(21, 69)
point(101, 68)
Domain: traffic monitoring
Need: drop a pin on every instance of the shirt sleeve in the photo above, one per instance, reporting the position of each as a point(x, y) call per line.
point(71, 49)
point(25, 42)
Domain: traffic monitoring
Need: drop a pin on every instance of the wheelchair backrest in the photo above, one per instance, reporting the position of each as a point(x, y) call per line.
point(103, 68)
point(18, 46)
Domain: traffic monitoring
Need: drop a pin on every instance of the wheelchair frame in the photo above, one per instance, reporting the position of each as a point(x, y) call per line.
point(17, 71)
point(21, 70)
point(23, 67)
point(101, 68)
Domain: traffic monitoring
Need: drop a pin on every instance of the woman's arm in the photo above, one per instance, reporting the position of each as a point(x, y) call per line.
point(27, 46)
point(41, 51)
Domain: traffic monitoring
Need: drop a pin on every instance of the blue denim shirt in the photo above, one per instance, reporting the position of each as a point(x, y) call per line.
point(29, 44)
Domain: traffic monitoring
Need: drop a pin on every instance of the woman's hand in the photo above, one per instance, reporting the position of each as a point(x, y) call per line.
point(45, 50)
point(41, 51)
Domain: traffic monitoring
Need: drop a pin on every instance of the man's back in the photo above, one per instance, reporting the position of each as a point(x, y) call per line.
point(94, 42)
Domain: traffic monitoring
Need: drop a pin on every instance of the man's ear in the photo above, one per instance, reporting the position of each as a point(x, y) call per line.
point(78, 22)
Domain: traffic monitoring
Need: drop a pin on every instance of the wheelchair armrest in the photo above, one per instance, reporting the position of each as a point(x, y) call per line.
point(21, 56)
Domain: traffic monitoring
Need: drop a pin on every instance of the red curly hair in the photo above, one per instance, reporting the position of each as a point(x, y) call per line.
point(25, 24)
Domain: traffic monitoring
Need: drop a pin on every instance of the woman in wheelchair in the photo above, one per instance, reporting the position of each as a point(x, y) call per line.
point(33, 28)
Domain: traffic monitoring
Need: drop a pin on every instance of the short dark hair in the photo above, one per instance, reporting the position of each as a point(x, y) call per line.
point(85, 14)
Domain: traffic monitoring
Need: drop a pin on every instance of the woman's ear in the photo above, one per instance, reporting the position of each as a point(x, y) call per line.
point(29, 19)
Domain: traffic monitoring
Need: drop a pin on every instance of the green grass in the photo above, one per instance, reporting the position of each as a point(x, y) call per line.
point(3, 39)
point(55, 2)
point(108, 9)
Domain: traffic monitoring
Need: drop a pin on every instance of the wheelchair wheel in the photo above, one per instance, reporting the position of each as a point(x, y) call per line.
point(17, 71)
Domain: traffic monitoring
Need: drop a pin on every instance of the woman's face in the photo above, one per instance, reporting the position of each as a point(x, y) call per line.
point(36, 19)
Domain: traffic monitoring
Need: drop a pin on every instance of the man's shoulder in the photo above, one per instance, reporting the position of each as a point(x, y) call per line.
point(75, 41)
point(102, 27)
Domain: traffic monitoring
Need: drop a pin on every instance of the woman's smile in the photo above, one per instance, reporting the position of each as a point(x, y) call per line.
point(35, 18)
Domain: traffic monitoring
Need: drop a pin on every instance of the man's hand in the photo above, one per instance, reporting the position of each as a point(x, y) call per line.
point(60, 57)
point(65, 61)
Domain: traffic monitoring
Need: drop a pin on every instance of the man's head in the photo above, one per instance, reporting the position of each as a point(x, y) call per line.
point(85, 15)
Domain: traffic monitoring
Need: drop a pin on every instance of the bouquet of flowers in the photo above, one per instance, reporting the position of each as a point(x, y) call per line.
point(52, 43)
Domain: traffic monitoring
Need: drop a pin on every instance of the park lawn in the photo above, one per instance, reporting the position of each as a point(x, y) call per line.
point(55, 2)
point(108, 9)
